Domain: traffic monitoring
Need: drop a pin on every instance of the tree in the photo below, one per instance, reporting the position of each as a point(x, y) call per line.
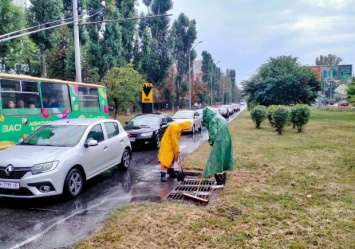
point(128, 28)
point(328, 60)
point(40, 13)
point(258, 115)
point(12, 18)
point(105, 47)
point(351, 92)
point(184, 35)
point(153, 58)
point(299, 116)
point(282, 81)
point(123, 85)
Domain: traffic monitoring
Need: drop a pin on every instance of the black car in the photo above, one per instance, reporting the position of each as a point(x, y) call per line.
point(147, 128)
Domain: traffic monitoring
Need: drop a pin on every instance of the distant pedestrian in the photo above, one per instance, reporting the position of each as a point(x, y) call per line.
point(169, 148)
point(221, 155)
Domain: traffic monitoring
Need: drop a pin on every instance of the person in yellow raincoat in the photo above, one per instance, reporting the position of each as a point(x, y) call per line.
point(169, 148)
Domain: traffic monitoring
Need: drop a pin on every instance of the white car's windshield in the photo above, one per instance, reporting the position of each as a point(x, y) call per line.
point(184, 115)
point(60, 135)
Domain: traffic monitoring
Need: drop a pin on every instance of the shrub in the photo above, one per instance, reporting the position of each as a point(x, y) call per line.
point(300, 115)
point(270, 110)
point(258, 115)
point(280, 118)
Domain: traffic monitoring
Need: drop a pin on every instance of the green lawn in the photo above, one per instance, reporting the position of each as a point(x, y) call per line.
point(294, 190)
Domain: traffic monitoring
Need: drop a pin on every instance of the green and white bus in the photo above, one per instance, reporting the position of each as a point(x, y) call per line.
point(27, 102)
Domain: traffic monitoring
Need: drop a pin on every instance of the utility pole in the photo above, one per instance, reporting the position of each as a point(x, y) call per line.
point(76, 42)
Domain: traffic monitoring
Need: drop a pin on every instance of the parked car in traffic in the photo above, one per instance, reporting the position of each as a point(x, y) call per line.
point(147, 128)
point(200, 112)
point(60, 156)
point(236, 107)
point(188, 115)
point(343, 103)
point(224, 111)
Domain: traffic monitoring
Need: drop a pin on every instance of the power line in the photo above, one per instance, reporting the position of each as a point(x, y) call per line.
point(125, 19)
point(37, 30)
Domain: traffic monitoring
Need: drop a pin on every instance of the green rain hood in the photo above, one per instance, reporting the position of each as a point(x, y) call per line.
point(221, 155)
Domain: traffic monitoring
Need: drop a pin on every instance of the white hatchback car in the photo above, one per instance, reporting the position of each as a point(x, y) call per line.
point(61, 155)
point(188, 115)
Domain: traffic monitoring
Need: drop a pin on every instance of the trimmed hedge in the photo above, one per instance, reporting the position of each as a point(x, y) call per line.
point(300, 115)
point(258, 115)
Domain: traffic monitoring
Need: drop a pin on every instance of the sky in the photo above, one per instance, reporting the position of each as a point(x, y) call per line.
point(244, 34)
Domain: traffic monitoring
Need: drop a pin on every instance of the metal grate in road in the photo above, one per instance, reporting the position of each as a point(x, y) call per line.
point(193, 187)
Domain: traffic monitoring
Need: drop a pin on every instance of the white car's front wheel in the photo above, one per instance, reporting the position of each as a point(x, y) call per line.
point(74, 183)
point(126, 159)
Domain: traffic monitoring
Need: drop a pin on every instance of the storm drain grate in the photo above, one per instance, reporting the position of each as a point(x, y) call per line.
point(191, 187)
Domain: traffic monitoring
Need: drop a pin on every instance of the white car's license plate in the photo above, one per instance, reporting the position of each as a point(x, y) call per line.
point(10, 185)
point(132, 139)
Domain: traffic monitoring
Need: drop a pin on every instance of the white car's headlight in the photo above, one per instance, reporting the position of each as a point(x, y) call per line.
point(43, 167)
point(147, 134)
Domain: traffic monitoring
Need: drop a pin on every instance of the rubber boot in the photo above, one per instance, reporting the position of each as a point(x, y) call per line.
point(220, 178)
point(163, 176)
point(172, 173)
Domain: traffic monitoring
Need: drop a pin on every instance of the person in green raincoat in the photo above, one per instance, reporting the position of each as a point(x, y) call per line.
point(169, 148)
point(221, 155)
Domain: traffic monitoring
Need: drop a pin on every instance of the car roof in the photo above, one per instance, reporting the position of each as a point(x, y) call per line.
point(186, 111)
point(78, 121)
point(150, 114)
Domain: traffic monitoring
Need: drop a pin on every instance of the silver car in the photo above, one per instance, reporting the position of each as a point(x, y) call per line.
point(188, 115)
point(61, 155)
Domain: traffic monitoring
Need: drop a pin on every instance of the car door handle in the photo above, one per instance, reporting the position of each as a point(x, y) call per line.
point(105, 148)
point(121, 141)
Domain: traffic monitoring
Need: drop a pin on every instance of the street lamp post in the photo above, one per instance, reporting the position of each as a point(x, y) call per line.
point(190, 74)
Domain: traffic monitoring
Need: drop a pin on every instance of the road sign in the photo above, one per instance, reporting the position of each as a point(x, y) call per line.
point(147, 93)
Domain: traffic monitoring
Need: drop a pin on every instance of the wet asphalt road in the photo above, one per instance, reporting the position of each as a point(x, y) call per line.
point(57, 222)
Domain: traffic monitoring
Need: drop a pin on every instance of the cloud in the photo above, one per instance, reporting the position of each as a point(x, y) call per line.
point(333, 4)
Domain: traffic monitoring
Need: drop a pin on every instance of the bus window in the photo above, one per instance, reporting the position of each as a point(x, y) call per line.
point(28, 86)
point(16, 98)
point(10, 85)
point(55, 96)
point(89, 99)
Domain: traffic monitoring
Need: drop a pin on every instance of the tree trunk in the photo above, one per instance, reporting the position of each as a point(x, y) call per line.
point(116, 109)
point(43, 63)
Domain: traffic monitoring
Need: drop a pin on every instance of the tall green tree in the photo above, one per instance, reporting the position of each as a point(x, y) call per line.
point(126, 10)
point(40, 13)
point(184, 35)
point(282, 81)
point(123, 85)
point(154, 57)
point(105, 39)
point(12, 18)
point(351, 92)
point(328, 60)
point(211, 75)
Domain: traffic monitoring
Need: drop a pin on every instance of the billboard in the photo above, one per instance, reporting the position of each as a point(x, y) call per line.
point(341, 73)
point(345, 72)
